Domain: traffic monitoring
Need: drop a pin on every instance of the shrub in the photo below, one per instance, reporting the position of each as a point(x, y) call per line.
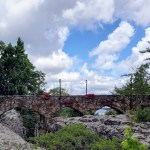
point(67, 112)
point(142, 115)
point(72, 137)
point(130, 142)
point(30, 119)
point(111, 112)
point(106, 144)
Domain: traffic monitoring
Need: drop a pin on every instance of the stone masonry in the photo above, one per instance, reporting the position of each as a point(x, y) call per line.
point(47, 106)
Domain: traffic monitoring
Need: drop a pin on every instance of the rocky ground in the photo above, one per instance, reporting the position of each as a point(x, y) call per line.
point(12, 132)
point(13, 121)
point(108, 126)
point(9, 140)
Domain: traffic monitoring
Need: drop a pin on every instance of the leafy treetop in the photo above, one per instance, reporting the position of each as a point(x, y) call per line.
point(17, 74)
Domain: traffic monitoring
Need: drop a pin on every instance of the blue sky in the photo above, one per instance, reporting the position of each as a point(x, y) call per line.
point(82, 41)
point(79, 40)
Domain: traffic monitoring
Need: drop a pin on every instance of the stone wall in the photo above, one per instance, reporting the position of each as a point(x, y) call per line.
point(84, 104)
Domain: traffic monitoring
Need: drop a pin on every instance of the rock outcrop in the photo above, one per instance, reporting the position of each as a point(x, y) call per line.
point(9, 140)
point(14, 121)
point(108, 126)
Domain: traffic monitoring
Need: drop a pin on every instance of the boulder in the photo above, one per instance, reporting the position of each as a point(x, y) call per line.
point(14, 121)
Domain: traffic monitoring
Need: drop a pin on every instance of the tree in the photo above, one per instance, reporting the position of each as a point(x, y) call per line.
point(56, 91)
point(138, 83)
point(146, 51)
point(17, 74)
point(140, 80)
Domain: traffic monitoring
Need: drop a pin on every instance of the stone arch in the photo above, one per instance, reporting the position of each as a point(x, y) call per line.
point(115, 108)
point(75, 109)
point(13, 102)
point(74, 104)
point(111, 106)
point(10, 107)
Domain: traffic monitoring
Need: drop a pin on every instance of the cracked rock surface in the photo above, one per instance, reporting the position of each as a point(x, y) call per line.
point(9, 140)
point(12, 131)
point(13, 121)
point(108, 126)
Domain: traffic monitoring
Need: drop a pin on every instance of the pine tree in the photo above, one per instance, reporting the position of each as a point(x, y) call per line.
point(138, 83)
point(17, 74)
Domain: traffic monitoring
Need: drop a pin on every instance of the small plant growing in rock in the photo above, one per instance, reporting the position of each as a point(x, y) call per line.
point(111, 112)
point(142, 115)
point(130, 142)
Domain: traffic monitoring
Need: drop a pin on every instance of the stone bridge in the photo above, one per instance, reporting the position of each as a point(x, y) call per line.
point(47, 106)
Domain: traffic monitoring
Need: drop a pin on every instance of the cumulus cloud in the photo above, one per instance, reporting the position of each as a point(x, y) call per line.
point(74, 82)
point(38, 23)
point(107, 51)
point(136, 58)
point(55, 63)
point(137, 11)
point(88, 12)
point(44, 26)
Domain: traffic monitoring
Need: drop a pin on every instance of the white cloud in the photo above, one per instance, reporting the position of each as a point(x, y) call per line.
point(136, 58)
point(74, 82)
point(133, 10)
point(37, 22)
point(44, 26)
point(64, 76)
point(55, 63)
point(107, 51)
point(88, 12)
point(97, 83)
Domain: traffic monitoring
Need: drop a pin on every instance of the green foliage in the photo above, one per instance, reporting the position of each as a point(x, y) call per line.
point(111, 112)
point(142, 115)
point(130, 142)
point(138, 83)
point(106, 144)
point(56, 92)
point(67, 112)
point(146, 51)
point(30, 119)
point(72, 137)
point(17, 74)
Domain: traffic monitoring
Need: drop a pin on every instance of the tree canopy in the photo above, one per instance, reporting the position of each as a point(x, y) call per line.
point(139, 80)
point(138, 83)
point(18, 76)
point(56, 91)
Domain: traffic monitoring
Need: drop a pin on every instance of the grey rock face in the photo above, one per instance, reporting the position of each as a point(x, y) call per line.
point(13, 120)
point(9, 140)
point(108, 126)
